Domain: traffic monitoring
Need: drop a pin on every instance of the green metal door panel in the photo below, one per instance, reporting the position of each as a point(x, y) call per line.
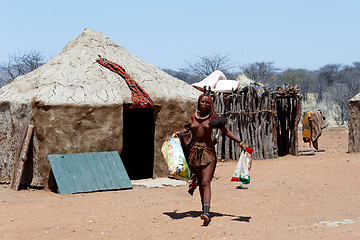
point(120, 169)
point(88, 172)
point(97, 173)
point(61, 174)
point(114, 169)
point(74, 175)
point(102, 173)
point(85, 171)
point(73, 161)
point(109, 169)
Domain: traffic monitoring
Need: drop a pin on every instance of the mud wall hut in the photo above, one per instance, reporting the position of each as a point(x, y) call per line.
point(354, 124)
point(76, 105)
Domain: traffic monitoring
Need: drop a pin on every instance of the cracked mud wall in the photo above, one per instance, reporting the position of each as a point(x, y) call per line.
point(65, 129)
point(172, 117)
point(14, 118)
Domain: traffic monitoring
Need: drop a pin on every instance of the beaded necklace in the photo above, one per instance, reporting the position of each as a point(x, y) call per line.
point(199, 117)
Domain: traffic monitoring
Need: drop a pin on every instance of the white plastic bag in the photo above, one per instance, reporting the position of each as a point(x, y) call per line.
point(242, 171)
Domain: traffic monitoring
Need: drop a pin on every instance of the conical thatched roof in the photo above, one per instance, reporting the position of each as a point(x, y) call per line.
point(74, 77)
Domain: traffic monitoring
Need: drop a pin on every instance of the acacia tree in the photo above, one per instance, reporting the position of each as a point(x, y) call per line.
point(21, 64)
point(351, 77)
point(345, 86)
point(261, 72)
point(327, 76)
point(208, 64)
point(338, 99)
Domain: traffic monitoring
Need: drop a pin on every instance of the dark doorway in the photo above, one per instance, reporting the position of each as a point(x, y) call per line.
point(283, 128)
point(138, 143)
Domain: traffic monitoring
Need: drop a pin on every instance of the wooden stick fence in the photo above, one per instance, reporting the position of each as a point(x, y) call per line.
point(257, 115)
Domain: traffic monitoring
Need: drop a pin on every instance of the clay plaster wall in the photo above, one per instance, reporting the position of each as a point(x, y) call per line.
point(14, 117)
point(68, 129)
point(171, 118)
point(354, 126)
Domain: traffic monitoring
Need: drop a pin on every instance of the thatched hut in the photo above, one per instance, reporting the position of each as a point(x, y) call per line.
point(77, 105)
point(354, 124)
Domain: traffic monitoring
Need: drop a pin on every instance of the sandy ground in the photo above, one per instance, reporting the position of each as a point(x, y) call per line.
point(305, 197)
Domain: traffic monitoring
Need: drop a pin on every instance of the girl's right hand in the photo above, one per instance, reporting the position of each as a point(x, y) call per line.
point(243, 145)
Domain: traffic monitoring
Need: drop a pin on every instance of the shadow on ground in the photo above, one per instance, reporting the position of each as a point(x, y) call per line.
point(195, 214)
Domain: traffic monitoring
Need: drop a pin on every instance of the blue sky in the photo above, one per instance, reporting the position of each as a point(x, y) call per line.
point(167, 33)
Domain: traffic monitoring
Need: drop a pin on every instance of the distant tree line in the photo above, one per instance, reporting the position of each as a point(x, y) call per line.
point(333, 84)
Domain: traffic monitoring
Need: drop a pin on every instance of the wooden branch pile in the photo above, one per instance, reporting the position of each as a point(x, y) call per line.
point(252, 115)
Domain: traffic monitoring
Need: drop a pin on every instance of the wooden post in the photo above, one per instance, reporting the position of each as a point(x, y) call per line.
point(298, 107)
point(20, 158)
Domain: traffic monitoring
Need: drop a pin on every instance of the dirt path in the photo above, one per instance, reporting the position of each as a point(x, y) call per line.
point(307, 197)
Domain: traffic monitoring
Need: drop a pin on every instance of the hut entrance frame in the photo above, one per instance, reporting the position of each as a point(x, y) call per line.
point(138, 142)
